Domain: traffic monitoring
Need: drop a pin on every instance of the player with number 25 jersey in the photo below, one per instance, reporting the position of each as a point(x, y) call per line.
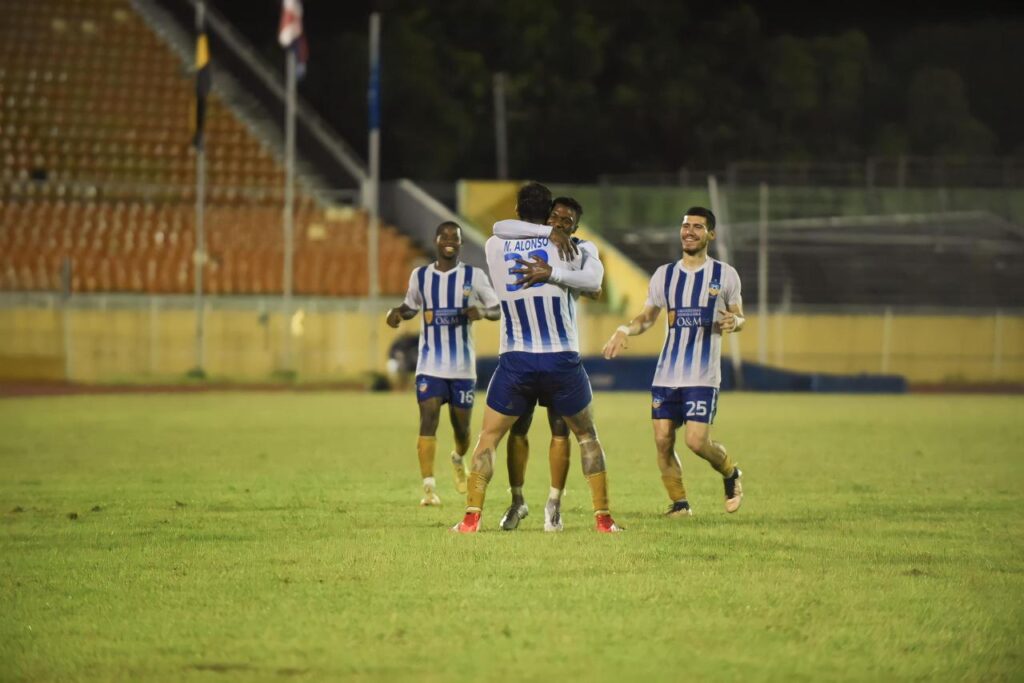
point(702, 299)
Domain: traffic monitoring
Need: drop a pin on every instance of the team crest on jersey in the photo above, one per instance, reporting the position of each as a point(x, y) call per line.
point(671, 323)
point(428, 316)
point(714, 288)
point(423, 386)
point(467, 290)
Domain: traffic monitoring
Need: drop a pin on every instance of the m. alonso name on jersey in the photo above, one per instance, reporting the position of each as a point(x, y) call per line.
point(519, 246)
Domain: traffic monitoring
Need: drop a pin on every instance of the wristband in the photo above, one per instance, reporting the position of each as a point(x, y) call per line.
point(624, 329)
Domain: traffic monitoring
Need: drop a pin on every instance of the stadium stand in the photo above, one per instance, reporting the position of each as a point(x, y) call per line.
point(97, 174)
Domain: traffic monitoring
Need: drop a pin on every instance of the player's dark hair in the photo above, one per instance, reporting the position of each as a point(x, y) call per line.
point(701, 211)
point(533, 203)
point(447, 224)
point(571, 203)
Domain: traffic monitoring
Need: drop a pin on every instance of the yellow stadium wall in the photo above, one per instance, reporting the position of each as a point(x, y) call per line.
point(484, 202)
point(154, 344)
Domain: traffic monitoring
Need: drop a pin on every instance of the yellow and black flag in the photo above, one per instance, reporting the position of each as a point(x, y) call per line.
point(203, 80)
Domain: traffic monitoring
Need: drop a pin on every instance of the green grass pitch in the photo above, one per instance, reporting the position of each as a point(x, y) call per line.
point(277, 536)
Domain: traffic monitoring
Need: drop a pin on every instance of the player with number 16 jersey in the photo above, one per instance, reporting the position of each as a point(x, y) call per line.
point(451, 295)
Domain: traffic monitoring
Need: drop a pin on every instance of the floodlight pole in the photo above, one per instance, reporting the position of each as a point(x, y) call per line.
point(762, 277)
point(288, 218)
point(371, 198)
point(199, 256)
point(719, 207)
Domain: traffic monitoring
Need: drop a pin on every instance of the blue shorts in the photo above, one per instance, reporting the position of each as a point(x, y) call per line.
point(458, 392)
point(684, 404)
point(556, 380)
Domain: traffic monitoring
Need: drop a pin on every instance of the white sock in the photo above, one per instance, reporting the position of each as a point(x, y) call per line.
point(517, 491)
point(456, 458)
point(555, 494)
point(429, 484)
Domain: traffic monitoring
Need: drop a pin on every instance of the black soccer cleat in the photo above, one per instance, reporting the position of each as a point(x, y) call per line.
point(515, 514)
point(680, 508)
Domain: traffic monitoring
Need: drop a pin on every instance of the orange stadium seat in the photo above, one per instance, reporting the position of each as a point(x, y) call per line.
point(95, 167)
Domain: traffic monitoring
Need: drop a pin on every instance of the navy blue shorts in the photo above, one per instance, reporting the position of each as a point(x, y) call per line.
point(555, 380)
point(458, 392)
point(684, 404)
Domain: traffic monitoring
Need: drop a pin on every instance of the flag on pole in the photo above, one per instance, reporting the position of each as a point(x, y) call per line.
point(373, 85)
point(203, 81)
point(291, 36)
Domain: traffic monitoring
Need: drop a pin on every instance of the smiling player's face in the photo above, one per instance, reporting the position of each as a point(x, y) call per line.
point(449, 242)
point(694, 234)
point(563, 218)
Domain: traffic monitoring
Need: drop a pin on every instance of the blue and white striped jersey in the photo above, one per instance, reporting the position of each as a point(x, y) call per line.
point(692, 353)
point(446, 340)
point(542, 318)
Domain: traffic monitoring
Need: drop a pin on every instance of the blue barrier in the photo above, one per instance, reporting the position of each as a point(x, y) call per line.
point(758, 377)
point(634, 374)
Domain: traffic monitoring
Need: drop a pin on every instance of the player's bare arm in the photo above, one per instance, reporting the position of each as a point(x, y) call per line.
point(400, 313)
point(638, 325)
point(732, 320)
point(475, 313)
point(587, 279)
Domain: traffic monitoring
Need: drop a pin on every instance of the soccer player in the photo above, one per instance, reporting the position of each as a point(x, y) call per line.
point(565, 215)
point(539, 355)
point(702, 296)
point(452, 295)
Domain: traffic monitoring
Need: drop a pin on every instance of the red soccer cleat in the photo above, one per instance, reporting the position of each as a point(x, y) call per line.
point(607, 525)
point(470, 524)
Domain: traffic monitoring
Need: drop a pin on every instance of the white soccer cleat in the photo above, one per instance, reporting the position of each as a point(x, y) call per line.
point(459, 473)
point(553, 515)
point(430, 497)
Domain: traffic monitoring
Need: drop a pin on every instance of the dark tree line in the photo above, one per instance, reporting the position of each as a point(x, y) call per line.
point(611, 87)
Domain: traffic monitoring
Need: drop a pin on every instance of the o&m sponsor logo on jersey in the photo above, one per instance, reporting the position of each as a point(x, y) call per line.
point(714, 288)
point(685, 317)
point(443, 317)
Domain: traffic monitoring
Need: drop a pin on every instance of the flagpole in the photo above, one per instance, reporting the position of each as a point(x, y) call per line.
point(372, 198)
point(289, 201)
point(199, 257)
